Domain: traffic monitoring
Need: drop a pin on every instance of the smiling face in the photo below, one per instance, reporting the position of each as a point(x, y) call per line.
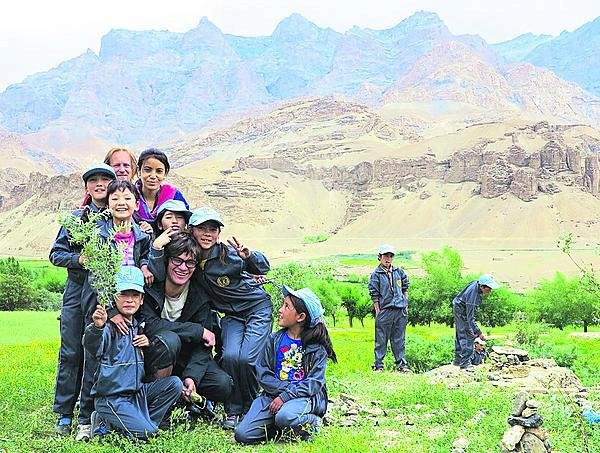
point(180, 268)
point(96, 186)
point(206, 234)
point(175, 220)
point(128, 302)
point(386, 259)
point(152, 174)
point(121, 163)
point(122, 204)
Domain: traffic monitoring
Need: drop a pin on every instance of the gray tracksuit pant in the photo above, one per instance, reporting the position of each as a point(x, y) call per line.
point(463, 341)
point(390, 324)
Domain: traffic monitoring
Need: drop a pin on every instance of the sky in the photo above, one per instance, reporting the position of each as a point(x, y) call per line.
point(36, 35)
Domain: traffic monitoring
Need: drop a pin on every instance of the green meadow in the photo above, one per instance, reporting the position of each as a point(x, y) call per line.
point(413, 415)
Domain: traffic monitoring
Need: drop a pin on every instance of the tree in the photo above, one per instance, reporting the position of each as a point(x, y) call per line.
point(431, 296)
point(355, 298)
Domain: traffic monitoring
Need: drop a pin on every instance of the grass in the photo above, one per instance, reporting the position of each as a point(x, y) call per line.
point(420, 416)
point(315, 239)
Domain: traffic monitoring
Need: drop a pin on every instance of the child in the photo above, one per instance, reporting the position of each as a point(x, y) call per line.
point(70, 358)
point(479, 353)
point(291, 372)
point(171, 218)
point(122, 202)
point(388, 288)
point(122, 401)
point(153, 168)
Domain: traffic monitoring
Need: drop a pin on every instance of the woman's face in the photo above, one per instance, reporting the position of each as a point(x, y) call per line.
point(175, 220)
point(121, 164)
point(206, 234)
point(152, 173)
point(122, 204)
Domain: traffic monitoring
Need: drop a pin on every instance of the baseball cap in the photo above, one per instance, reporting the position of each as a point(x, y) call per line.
point(488, 280)
point(311, 302)
point(479, 341)
point(96, 169)
point(387, 248)
point(130, 278)
point(205, 214)
point(173, 206)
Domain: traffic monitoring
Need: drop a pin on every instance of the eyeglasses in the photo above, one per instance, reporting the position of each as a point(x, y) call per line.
point(190, 264)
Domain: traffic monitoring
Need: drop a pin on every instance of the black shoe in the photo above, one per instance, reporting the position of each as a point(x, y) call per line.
point(63, 425)
point(231, 421)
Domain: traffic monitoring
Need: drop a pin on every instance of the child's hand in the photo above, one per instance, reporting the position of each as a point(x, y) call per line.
point(209, 338)
point(162, 240)
point(81, 260)
point(146, 227)
point(189, 387)
point(242, 251)
point(141, 341)
point(99, 317)
point(260, 279)
point(148, 276)
point(121, 323)
point(275, 405)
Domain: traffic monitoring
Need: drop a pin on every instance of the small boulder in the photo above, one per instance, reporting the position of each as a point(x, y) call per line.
point(512, 437)
point(520, 403)
point(535, 421)
point(540, 433)
point(531, 444)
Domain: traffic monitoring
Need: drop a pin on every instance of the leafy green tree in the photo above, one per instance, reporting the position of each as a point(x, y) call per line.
point(16, 292)
point(431, 295)
point(355, 298)
point(325, 289)
point(498, 307)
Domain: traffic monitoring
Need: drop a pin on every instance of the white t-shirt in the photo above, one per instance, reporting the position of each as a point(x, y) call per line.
point(173, 305)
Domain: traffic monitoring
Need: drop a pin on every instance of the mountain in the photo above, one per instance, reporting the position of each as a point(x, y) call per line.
point(573, 56)
point(517, 48)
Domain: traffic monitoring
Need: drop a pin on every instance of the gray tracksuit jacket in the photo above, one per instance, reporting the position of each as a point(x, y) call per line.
point(314, 362)
point(388, 295)
point(465, 306)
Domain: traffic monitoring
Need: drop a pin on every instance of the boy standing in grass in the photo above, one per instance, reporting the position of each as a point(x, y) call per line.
point(388, 288)
point(122, 401)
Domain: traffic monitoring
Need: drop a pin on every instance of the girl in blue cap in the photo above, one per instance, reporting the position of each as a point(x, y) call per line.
point(291, 371)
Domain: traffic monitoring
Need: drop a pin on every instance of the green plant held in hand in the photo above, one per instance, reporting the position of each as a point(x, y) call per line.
point(102, 259)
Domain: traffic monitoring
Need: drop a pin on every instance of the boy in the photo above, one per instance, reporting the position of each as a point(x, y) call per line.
point(123, 402)
point(479, 353)
point(72, 314)
point(388, 288)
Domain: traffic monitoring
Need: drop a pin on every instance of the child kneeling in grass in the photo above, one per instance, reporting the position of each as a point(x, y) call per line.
point(291, 371)
point(122, 401)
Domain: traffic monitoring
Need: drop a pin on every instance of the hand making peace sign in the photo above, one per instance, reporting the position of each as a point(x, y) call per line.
point(242, 251)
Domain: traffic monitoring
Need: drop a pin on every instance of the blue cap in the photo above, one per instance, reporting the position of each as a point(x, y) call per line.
point(101, 169)
point(488, 280)
point(130, 278)
point(311, 302)
point(173, 206)
point(205, 214)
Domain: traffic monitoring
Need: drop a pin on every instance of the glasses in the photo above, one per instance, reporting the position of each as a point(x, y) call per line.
point(190, 264)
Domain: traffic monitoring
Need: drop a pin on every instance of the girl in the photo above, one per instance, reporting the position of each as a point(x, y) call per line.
point(291, 372)
point(171, 218)
point(123, 200)
point(64, 254)
point(153, 168)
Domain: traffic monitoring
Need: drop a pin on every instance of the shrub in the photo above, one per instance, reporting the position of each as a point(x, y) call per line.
point(44, 300)
point(424, 355)
point(527, 333)
point(315, 239)
point(16, 292)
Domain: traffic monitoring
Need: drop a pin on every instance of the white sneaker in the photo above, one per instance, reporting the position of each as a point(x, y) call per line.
point(84, 432)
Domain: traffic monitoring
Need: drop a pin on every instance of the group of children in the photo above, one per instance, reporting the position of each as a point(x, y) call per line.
point(102, 353)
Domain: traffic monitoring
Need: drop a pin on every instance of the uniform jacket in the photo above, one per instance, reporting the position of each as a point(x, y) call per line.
point(314, 362)
point(195, 317)
point(120, 364)
point(381, 291)
point(65, 254)
point(465, 306)
point(230, 286)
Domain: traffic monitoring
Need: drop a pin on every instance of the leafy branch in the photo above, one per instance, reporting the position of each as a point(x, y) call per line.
point(101, 258)
point(589, 279)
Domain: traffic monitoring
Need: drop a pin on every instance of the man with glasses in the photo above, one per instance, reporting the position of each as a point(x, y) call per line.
point(178, 322)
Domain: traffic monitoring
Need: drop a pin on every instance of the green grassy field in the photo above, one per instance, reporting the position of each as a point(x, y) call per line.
point(419, 416)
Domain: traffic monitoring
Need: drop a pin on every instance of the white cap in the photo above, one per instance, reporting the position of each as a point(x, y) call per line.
point(387, 248)
point(479, 341)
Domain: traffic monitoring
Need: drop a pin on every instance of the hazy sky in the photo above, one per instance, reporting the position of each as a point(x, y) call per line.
point(36, 35)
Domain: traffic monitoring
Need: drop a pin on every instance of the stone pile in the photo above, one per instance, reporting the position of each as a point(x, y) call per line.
point(525, 433)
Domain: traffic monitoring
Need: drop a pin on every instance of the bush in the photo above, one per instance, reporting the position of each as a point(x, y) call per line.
point(44, 300)
point(424, 355)
point(16, 292)
point(527, 333)
point(315, 239)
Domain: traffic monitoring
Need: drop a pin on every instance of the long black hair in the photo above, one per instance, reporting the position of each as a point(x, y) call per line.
point(317, 334)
